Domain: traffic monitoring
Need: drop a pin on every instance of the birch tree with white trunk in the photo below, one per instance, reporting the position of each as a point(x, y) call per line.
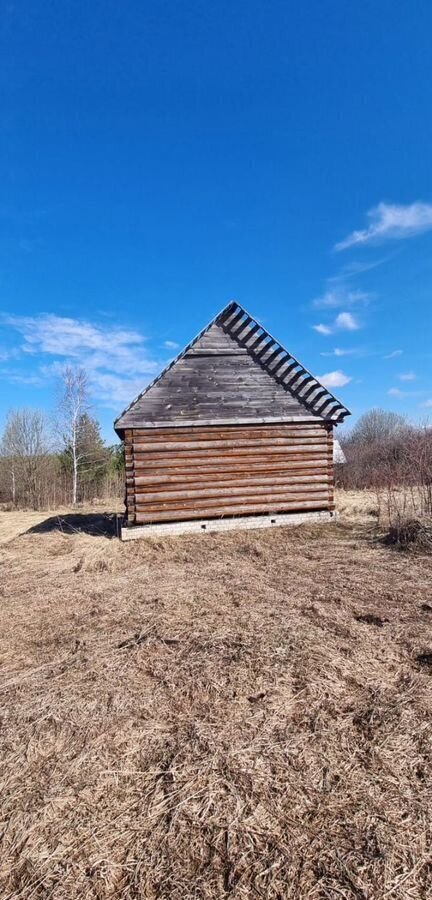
point(73, 406)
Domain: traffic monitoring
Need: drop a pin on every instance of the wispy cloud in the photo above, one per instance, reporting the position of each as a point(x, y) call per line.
point(6, 355)
point(340, 351)
point(428, 403)
point(391, 221)
point(171, 345)
point(18, 378)
point(334, 379)
point(393, 354)
point(345, 321)
point(340, 297)
point(407, 376)
point(396, 392)
point(116, 359)
point(353, 269)
point(113, 389)
point(323, 329)
point(77, 338)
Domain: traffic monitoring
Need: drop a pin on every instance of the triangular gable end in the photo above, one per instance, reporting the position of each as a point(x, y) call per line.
point(233, 372)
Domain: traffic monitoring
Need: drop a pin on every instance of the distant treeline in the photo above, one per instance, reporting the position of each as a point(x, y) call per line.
point(47, 462)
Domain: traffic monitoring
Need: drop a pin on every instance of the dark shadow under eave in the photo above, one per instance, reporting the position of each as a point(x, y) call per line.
point(94, 524)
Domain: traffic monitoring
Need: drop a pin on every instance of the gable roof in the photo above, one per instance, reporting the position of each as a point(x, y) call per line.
point(232, 372)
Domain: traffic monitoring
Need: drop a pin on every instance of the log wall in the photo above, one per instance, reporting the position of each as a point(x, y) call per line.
point(175, 474)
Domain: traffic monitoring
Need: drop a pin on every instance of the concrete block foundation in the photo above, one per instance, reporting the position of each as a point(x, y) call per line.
point(238, 523)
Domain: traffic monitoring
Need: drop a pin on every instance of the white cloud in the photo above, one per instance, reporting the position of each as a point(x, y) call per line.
point(116, 359)
point(78, 339)
point(354, 268)
point(339, 351)
point(391, 221)
point(396, 392)
point(428, 402)
point(5, 355)
point(114, 390)
point(340, 297)
point(346, 322)
point(407, 376)
point(171, 345)
point(323, 329)
point(334, 379)
point(393, 354)
point(18, 378)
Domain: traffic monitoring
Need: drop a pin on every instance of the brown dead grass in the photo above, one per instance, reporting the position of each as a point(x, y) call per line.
point(244, 715)
point(357, 506)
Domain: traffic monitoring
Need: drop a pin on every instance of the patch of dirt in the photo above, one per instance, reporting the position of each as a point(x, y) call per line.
point(370, 619)
point(425, 659)
point(203, 716)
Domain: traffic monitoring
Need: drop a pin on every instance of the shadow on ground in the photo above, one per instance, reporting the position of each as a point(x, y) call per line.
point(96, 524)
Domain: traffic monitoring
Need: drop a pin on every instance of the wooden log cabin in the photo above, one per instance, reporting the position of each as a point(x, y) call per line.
point(235, 432)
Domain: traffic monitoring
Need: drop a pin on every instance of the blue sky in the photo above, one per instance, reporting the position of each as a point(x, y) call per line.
point(161, 158)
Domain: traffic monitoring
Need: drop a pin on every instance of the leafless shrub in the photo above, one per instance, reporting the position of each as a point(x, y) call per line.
point(394, 459)
point(410, 534)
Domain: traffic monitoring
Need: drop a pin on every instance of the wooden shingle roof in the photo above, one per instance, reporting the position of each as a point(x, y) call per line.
point(232, 372)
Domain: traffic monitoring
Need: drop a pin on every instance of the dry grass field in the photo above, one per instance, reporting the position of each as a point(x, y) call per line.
point(243, 715)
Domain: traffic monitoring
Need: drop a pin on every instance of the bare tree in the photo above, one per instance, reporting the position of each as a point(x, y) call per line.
point(24, 448)
point(73, 407)
point(379, 425)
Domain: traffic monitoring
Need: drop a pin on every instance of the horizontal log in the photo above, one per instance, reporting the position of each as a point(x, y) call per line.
point(206, 492)
point(242, 480)
point(244, 460)
point(303, 450)
point(144, 481)
point(234, 431)
point(229, 478)
point(221, 512)
point(191, 503)
point(219, 444)
point(186, 503)
point(242, 464)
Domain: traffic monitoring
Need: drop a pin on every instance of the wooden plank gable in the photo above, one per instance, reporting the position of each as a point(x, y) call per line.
point(234, 372)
